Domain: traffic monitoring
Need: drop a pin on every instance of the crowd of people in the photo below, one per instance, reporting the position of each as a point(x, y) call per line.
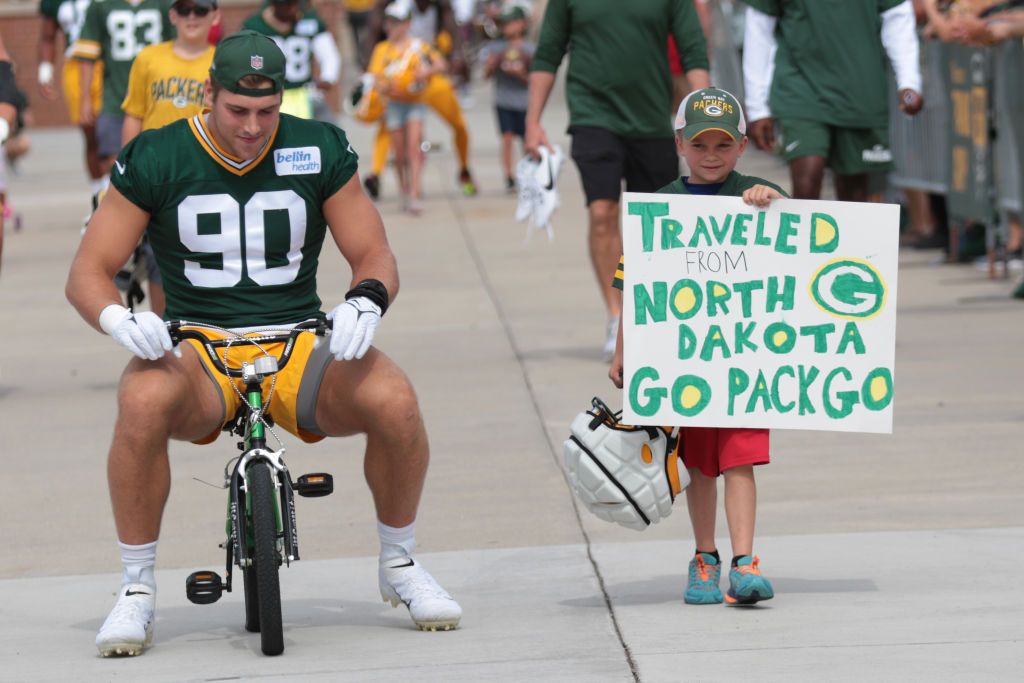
point(183, 107)
point(983, 24)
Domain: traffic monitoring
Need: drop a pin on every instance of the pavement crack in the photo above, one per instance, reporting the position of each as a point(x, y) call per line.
point(492, 294)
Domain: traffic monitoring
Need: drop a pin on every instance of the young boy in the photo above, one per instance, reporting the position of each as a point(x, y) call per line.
point(166, 84)
point(166, 80)
point(508, 61)
point(402, 65)
point(711, 136)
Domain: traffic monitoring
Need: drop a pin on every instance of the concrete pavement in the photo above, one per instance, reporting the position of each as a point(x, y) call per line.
point(893, 557)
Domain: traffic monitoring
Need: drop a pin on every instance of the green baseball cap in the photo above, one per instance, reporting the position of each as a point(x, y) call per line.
point(515, 13)
point(248, 53)
point(710, 109)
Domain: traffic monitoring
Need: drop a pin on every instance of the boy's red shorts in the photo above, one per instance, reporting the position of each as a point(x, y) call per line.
point(713, 450)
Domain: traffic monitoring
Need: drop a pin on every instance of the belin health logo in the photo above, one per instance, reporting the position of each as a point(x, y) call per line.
point(297, 160)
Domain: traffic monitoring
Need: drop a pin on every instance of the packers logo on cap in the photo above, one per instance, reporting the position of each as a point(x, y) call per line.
point(710, 109)
point(248, 53)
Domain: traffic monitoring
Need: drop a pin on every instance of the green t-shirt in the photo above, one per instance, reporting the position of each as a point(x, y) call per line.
point(618, 77)
point(734, 185)
point(297, 45)
point(237, 242)
point(830, 62)
point(115, 31)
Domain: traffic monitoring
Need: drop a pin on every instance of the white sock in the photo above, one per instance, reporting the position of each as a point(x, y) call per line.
point(396, 541)
point(138, 562)
point(97, 184)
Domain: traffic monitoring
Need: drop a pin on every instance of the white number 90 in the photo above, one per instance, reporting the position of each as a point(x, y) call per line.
point(250, 259)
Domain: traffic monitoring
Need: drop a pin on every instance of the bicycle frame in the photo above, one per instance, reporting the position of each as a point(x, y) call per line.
point(250, 424)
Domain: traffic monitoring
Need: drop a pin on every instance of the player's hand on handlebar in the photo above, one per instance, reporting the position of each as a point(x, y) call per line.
point(144, 333)
point(355, 321)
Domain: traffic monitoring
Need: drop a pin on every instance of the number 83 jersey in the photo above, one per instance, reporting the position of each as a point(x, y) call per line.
point(237, 241)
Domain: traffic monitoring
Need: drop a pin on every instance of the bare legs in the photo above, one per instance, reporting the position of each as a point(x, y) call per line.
point(605, 243)
point(807, 173)
point(740, 508)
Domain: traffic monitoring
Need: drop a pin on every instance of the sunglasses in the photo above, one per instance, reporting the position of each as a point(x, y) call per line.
point(184, 11)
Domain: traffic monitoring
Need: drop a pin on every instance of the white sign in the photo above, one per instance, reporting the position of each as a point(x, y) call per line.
point(738, 317)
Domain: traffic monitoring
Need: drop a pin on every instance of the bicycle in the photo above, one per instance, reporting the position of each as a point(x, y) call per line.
point(261, 520)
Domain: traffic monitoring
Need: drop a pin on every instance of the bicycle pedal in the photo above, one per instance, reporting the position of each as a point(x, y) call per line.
point(315, 485)
point(204, 587)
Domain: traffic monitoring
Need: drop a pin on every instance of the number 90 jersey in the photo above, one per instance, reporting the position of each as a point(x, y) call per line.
point(237, 242)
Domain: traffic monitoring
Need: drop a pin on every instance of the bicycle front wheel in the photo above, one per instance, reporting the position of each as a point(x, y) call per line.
point(262, 584)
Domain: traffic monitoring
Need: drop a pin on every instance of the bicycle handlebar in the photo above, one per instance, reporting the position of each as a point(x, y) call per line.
point(179, 333)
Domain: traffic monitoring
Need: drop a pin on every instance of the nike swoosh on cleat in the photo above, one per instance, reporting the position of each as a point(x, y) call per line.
point(407, 564)
point(131, 592)
point(551, 177)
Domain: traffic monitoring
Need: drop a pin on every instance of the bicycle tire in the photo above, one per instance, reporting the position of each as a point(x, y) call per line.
point(267, 587)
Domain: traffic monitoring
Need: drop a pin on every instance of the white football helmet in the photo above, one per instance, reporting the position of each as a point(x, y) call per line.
point(628, 475)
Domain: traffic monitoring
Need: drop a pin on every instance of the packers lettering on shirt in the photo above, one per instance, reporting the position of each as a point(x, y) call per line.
point(180, 91)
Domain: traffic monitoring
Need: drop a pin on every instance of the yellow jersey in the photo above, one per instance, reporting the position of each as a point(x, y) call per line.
point(164, 87)
point(398, 66)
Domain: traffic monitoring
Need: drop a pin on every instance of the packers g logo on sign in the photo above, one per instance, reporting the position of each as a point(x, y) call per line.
point(849, 288)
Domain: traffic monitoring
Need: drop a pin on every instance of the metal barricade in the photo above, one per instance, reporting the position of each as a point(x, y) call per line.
point(724, 44)
point(920, 144)
point(1009, 103)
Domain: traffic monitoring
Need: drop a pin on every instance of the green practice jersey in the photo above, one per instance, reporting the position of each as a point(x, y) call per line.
point(237, 242)
point(69, 15)
point(297, 45)
point(830, 62)
point(115, 31)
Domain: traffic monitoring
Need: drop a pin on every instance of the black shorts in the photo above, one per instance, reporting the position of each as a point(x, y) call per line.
point(605, 160)
point(511, 121)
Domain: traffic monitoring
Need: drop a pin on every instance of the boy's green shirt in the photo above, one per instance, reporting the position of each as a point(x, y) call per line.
point(734, 186)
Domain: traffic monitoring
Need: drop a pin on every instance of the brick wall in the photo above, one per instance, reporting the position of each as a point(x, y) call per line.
point(20, 26)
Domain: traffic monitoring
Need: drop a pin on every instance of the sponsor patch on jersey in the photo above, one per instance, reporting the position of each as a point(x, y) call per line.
point(297, 160)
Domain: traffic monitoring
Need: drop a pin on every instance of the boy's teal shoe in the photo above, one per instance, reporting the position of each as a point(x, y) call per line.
point(702, 584)
point(746, 585)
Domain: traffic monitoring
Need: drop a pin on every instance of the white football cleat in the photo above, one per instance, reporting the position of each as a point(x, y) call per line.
point(129, 626)
point(403, 580)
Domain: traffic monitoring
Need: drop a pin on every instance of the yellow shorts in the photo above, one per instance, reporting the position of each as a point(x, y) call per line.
point(72, 82)
point(293, 405)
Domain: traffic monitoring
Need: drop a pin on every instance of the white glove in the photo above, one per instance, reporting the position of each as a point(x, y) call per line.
point(144, 334)
point(355, 321)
